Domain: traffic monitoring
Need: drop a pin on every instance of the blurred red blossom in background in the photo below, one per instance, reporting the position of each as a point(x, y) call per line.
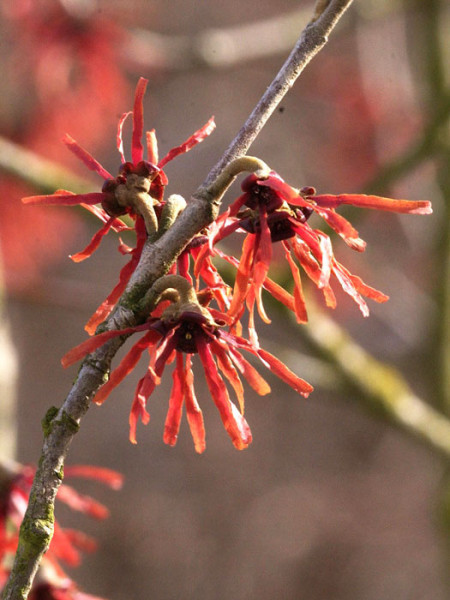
point(29, 243)
point(354, 118)
point(66, 544)
point(63, 69)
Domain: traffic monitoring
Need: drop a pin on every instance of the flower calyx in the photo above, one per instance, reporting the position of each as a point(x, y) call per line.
point(183, 298)
point(279, 214)
point(130, 191)
point(186, 312)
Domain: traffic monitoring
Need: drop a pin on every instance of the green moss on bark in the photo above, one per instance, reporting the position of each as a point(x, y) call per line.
point(47, 421)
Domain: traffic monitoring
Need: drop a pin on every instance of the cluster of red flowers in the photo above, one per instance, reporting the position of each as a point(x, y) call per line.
point(268, 212)
point(52, 582)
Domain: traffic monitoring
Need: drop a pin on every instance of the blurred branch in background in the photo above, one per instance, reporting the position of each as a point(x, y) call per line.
point(380, 388)
point(428, 37)
point(44, 175)
point(217, 47)
point(436, 19)
point(225, 47)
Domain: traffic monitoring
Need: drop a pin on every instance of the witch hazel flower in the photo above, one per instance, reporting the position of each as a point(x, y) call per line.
point(187, 328)
point(137, 191)
point(271, 211)
point(67, 544)
point(51, 584)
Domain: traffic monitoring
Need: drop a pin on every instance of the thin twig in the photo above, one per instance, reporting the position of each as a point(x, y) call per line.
point(61, 425)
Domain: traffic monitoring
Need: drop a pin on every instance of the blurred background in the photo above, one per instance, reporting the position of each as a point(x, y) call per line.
point(329, 501)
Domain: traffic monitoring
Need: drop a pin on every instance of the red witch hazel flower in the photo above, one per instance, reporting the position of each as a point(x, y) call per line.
point(66, 545)
point(269, 211)
point(186, 328)
point(137, 191)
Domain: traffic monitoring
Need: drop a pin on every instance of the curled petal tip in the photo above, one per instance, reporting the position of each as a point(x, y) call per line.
point(77, 257)
point(356, 244)
point(424, 208)
point(306, 394)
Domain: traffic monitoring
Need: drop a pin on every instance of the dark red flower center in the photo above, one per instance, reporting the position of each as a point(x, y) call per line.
point(261, 196)
point(190, 326)
point(280, 222)
point(186, 337)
